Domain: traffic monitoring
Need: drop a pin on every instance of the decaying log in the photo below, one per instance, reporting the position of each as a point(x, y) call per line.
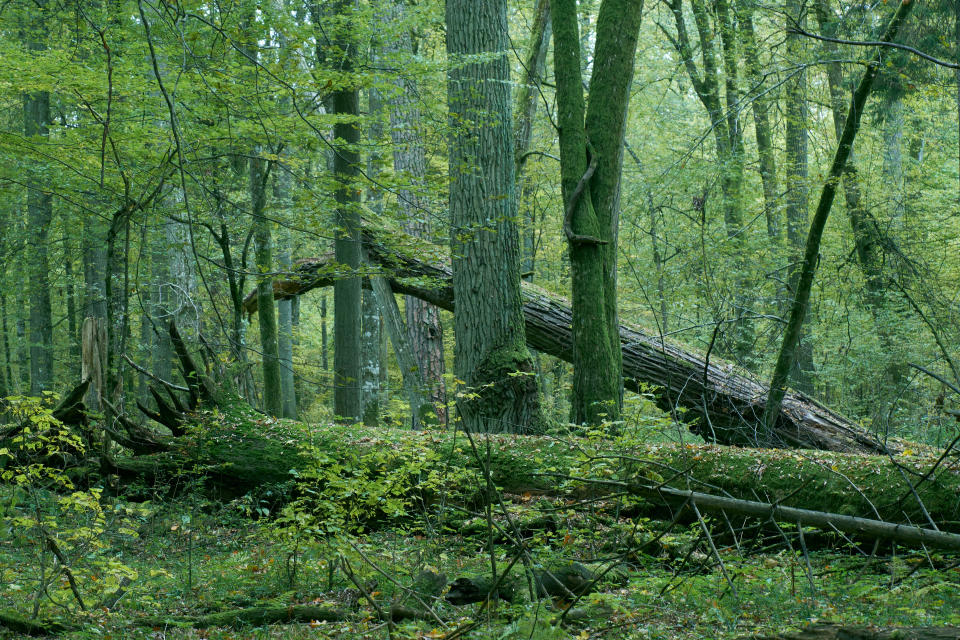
point(841, 632)
point(727, 404)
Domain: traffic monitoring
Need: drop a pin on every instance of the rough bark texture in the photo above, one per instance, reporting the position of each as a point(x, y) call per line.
point(36, 124)
point(409, 160)
point(727, 404)
point(373, 344)
point(795, 147)
point(347, 297)
point(491, 357)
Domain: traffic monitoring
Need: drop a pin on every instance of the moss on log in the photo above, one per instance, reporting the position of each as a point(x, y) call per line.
point(840, 632)
point(239, 451)
point(724, 404)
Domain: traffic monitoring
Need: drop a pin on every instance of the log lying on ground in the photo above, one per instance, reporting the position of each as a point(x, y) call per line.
point(727, 404)
point(841, 632)
point(239, 451)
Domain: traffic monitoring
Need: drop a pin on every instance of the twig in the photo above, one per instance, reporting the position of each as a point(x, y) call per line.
point(875, 43)
point(154, 377)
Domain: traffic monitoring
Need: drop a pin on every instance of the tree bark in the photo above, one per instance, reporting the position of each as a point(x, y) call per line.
point(591, 152)
point(795, 147)
point(878, 496)
point(285, 338)
point(528, 97)
point(266, 313)
point(760, 104)
point(373, 345)
point(728, 136)
point(726, 405)
point(490, 354)
point(347, 298)
point(791, 336)
point(409, 160)
point(36, 125)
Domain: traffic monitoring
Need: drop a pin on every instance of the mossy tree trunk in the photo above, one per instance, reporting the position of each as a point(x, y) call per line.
point(490, 355)
point(795, 146)
point(591, 151)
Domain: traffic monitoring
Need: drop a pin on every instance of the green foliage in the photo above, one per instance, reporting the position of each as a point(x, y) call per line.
point(348, 490)
point(71, 534)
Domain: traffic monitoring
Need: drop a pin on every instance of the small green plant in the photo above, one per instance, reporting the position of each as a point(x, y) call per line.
point(69, 530)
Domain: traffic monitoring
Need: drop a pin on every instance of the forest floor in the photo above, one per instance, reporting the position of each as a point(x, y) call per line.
point(356, 544)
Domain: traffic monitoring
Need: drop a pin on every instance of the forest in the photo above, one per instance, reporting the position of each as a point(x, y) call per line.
point(508, 319)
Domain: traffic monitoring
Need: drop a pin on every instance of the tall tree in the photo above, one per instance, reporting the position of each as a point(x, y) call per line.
point(259, 170)
point(36, 125)
point(409, 162)
point(717, 40)
point(347, 321)
point(591, 154)
point(795, 147)
point(490, 354)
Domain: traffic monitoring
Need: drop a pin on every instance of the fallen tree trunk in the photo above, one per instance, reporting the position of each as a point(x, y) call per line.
point(727, 405)
point(841, 632)
point(239, 451)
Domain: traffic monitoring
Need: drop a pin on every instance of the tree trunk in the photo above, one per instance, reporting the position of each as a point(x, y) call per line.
point(490, 352)
point(725, 405)
point(528, 97)
point(94, 278)
point(761, 122)
point(36, 124)
point(347, 299)
point(795, 146)
point(591, 222)
point(409, 160)
point(266, 313)
point(874, 494)
point(791, 336)
point(728, 137)
point(373, 345)
point(285, 333)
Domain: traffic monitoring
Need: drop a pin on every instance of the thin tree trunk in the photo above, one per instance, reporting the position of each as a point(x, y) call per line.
point(761, 121)
point(7, 358)
point(528, 97)
point(490, 352)
point(285, 319)
point(266, 312)
point(373, 360)
point(70, 293)
point(791, 337)
point(867, 236)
